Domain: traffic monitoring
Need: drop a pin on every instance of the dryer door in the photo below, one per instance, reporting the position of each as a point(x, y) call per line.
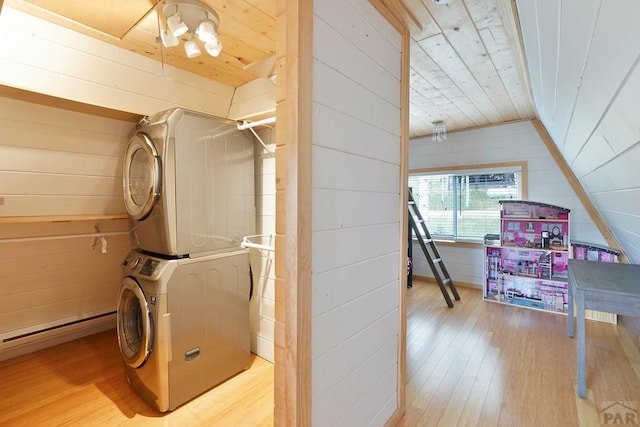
point(135, 327)
point(142, 176)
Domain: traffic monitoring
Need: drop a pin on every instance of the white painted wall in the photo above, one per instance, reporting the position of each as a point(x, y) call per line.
point(505, 143)
point(356, 215)
point(58, 162)
point(584, 65)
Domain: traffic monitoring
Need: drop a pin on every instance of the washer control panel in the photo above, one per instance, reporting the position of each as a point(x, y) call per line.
point(142, 264)
point(149, 267)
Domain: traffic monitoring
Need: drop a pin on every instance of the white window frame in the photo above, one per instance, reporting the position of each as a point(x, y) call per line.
point(504, 167)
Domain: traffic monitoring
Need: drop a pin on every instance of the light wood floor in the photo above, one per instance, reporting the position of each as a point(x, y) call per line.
point(82, 383)
point(488, 364)
point(477, 364)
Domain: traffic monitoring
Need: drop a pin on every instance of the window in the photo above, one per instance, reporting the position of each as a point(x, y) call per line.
point(464, 204)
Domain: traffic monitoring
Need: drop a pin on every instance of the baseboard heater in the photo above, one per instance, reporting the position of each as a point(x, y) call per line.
point(47, 336)
point(52, 328)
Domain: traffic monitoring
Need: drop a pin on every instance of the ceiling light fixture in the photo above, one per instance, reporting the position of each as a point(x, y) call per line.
point(191, 48)
point(439, 131)
point(194, 18)
point(168, 39)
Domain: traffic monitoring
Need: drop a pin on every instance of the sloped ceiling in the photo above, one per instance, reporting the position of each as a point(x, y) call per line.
point(467, 67)
point(583, 60)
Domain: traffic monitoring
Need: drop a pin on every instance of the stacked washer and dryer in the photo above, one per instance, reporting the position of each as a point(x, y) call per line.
point(183, 308)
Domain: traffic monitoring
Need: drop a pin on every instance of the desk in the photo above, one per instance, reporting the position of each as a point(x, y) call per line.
point(602, 286)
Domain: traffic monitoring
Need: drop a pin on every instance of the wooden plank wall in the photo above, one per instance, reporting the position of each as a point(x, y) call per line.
point(55, 61)
point(356, 220)
point(262, 308)
point(58, 162)
point(584, 64)
point(78, 170)
point(505, 143)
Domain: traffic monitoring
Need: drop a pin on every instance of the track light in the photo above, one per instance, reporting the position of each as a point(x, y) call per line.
point(194, 18)
point(191, 49)
point(176, 25)
point(168, 39)
point(206, 32)
point(213, 48)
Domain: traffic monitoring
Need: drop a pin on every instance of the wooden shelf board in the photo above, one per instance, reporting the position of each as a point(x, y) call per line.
point(59, 218)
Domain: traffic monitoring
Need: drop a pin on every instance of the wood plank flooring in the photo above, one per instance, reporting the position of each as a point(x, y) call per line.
point(82, 383)
point(486, 364)
point(477, 364)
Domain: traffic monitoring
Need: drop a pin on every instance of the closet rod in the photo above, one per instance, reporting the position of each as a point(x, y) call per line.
point(249, 125)
point(246, 243)
point(63, 236)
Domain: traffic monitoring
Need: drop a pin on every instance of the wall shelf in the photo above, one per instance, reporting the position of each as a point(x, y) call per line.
point(60, 218)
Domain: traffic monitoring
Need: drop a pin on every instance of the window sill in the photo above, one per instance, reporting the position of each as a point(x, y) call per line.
point(456, 243)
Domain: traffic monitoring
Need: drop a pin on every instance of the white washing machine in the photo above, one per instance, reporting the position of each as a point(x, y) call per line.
point(188, 183)
point(183, 324)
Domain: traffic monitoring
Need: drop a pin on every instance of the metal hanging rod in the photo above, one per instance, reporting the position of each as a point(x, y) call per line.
point(62, 236)
point(247, 243)
point(250, 125)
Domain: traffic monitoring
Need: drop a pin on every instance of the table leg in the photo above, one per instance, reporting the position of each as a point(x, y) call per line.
point(570, 295)
point(581, 344)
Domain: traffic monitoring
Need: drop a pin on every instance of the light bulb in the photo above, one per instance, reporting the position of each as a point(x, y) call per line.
point(206, 32)
point(191, 49)
point(213, 48)
point(176, 25)
point(168, 40)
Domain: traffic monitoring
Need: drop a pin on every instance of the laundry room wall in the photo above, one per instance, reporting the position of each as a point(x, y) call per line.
point(73, 156)
point(60, 176)
point(262, 309)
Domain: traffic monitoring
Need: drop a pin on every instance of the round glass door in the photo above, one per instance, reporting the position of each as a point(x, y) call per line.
point(141, 176)
point(135, 328)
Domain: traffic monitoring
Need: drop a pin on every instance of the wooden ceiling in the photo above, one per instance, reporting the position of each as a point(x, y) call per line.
point(247, 31)
point(467, 67)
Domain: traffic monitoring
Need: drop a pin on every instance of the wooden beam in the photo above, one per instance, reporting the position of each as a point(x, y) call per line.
point(294, 109)
point(392, 12)
point(404, 225)
point(578, 189)
point(66, 104)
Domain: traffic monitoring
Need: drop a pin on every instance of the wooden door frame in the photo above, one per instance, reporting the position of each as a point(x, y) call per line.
point(294, 109)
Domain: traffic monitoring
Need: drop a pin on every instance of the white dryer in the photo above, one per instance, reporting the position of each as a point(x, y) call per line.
point(183, 324)
point(188, 184)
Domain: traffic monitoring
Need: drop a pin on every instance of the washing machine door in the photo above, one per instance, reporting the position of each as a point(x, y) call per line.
point(135, 327)
point(142, 176)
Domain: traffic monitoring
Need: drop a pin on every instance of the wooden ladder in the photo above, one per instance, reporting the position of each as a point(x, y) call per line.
point(431, 252)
